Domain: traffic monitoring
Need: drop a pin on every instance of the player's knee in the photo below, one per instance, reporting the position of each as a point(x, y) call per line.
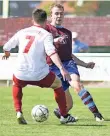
point(78, 86)
point(56, 83)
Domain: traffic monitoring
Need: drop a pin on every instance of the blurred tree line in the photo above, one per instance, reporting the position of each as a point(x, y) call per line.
point(88, 8)
point(93, 8)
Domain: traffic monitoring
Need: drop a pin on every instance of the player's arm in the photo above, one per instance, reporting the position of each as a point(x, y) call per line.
point(12, 43)
point(51, 52)
point(82, 63)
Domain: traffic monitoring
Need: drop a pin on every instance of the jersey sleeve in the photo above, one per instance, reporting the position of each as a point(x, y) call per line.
point(48, 45)
point(12, 43)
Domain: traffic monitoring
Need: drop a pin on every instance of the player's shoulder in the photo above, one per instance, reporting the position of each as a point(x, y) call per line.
point(45, 32)
point(23, 30)
point(49, 27)
point(33, 28)
point(26, 29)
point(67, 30)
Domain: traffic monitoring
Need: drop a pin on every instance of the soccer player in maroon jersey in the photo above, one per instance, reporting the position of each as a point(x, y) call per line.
point(63, 44)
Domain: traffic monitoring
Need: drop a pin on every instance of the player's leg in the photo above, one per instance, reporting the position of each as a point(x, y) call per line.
point(65, 85)
point(85, 96)
point(69, 101)
point(56, 84)
point(17, 99)
point(51, 81)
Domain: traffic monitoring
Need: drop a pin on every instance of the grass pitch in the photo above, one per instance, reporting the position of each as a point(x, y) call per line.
point(86, 126)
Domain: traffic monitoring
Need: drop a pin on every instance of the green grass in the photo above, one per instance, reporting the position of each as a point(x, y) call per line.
point(86, 126)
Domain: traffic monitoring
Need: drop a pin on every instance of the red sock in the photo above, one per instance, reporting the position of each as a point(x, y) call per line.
point(17, 98)
point(61, 100)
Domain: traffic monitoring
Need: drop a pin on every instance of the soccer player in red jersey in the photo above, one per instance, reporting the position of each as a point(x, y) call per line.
point(63, 44)
point(31, 68)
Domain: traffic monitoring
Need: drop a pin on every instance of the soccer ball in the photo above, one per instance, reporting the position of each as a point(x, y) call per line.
point(40, 113)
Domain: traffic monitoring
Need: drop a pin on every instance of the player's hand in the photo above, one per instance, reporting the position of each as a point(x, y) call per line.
point(65, 74)
point(59, 39)
point(6, 55)
point(90, 65)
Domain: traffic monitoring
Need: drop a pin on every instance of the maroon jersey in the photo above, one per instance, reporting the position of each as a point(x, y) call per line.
point(64, 48)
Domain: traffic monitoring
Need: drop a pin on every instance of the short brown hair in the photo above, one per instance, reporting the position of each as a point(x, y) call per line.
point(39, 15)
point(56, 5)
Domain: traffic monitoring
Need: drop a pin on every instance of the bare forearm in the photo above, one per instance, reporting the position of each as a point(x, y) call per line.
point(56, 60)
point(78, 61)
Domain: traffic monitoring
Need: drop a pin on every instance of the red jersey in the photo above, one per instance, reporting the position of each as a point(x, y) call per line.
point(64, 48)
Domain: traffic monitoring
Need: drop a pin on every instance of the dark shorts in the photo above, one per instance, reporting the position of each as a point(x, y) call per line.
point(70, 66)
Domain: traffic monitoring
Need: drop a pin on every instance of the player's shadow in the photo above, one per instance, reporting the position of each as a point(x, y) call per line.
point(75, 124)
point(87, 125)
point(99, 124)
point(106, 120)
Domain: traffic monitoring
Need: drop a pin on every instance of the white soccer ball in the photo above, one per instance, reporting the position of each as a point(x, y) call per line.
point(40, 113)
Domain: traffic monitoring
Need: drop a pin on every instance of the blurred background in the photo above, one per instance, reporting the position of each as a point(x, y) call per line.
point(90, 19)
